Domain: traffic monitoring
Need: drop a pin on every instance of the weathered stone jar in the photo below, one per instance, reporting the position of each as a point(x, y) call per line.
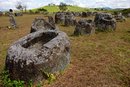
point(84, 26)
point(42, 51)
point(40, 23)
point(105, 21)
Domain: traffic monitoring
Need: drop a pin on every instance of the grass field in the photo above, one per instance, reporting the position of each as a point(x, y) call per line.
point(70, 8)
point(99, 60)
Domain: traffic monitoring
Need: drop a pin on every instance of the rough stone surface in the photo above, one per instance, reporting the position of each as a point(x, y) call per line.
point(42, 51)
point(40, 23)
point(59, 17)
point(69, 19)
point(66, 18)
point(77, 14)
point(120, 18)
point(84, 27)
point(105, 21)
point(51, 21)
point(128, 15)
point(86, 14)
point(18, 14)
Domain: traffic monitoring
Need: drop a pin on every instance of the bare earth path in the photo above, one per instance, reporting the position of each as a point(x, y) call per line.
point(100, 60)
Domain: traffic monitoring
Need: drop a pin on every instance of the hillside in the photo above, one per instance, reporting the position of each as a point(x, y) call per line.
point(123, 11)
point(56, 8)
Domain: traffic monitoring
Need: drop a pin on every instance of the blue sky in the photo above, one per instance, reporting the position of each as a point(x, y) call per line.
point(6, 4)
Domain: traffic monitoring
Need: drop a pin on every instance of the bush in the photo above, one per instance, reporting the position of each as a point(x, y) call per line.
point(63, 6)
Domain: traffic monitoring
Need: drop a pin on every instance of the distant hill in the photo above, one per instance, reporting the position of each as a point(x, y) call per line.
point(106, 8)
point(56, 8)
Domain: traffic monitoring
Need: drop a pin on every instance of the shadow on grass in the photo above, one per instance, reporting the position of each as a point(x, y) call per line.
point(128, 31)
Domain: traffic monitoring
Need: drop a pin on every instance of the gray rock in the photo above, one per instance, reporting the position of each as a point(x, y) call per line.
point(86, 14)
point(39, 52)
point(51, 21)
point(120, 18)
point(105, 21)
point(128, 15)
point(59, 17)
point(69, 20)
point(84, 27)
point(40, 23)
point(66, 18)
point(76, 14)
point(18, 14)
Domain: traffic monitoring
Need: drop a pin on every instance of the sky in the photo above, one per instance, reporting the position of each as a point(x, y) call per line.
point(7, 4)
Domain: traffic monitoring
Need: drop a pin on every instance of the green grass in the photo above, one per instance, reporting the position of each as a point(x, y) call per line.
point(70, 8)
point(51, 8)
point(124, 11)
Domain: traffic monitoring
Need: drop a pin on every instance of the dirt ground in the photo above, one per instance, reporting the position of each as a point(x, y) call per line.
point(99, 60)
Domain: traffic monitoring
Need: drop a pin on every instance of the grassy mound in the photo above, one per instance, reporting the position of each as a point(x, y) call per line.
point(56, 8)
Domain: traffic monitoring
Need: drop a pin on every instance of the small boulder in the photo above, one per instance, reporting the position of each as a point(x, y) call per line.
point(105, 21)
point(59, 17)
point(120, 18)
point(40, 23)
point(128, 15)
point(84, 27)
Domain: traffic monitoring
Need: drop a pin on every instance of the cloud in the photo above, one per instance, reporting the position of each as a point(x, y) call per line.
point(6, 4)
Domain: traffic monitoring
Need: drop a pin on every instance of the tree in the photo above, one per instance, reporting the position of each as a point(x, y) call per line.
point(63, 6)
point(42, 9)
point(25, 7)
point(51, 4)
point(21, 6)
